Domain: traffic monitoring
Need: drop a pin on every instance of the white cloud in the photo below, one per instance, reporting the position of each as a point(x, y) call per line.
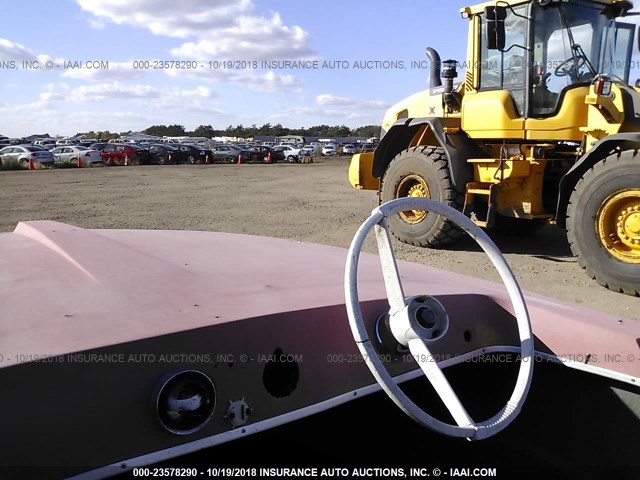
point(328, 99)
point(11, 51)
point(51, 97)
point(224, 29)
point(166, 17)
point(250, 38)
point(50, 63)
point(199, 91)
point(119, 90)
point(271, 82)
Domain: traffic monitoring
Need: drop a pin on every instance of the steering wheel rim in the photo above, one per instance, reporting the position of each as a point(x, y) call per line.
point(466, 427)
point(562, 71)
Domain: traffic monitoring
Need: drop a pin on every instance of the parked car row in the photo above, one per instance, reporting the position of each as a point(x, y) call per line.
point(167, 153)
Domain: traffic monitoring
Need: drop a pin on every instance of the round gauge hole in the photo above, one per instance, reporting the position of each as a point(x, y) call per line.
point(185, 401)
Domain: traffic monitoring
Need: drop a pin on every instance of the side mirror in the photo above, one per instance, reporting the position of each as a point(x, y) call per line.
point(495, 27)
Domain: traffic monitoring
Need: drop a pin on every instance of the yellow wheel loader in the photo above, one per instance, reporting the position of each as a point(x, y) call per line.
point(541, 127)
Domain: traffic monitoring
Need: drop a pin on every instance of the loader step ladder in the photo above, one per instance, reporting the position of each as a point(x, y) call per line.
point(490, 190)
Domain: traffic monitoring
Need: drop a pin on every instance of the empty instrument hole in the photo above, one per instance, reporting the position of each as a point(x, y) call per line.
point(281, 374)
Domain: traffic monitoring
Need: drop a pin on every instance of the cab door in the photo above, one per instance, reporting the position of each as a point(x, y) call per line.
point(498, 106)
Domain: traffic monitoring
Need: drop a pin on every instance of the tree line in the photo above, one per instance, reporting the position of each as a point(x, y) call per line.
point(267, 129)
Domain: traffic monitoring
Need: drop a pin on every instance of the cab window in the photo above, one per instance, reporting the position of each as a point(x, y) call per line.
point(506, 69)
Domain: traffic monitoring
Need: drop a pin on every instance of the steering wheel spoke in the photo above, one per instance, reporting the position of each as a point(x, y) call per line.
point(434, 374)
point(417, 321)
point(390, 273)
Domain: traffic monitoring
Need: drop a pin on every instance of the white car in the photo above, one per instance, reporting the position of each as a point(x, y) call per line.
point(348, 149)
point(329, 150)
point(291, 154)
point(309, 150)
point(70, 154)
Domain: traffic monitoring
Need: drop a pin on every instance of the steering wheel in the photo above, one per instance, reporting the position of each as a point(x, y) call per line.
point(418, 321)
point(569, 67)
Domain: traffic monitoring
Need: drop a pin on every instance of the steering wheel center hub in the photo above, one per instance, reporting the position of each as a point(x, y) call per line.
point(424, 317)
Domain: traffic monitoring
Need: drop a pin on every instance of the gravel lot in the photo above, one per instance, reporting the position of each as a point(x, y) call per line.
point(312, 203)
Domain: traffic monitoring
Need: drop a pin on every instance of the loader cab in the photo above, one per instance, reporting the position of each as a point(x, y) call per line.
point(536, 61)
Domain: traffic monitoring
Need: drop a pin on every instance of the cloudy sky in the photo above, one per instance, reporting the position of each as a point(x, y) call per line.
point(107, 64)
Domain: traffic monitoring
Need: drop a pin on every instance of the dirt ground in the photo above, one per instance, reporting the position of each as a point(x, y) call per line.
point(312, 203)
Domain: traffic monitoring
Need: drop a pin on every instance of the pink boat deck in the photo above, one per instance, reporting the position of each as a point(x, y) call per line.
point(66, 289)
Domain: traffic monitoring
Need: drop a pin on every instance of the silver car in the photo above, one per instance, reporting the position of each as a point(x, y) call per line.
point(70, 154)
point(24, 153)
point(348, 149)
point(226, 153)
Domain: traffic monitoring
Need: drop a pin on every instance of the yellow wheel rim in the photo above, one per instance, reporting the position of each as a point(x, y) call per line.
point(413, 186)
point(618, 224)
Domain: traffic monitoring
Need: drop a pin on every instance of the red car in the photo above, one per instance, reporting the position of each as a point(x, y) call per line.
point(262, 153)
point(118, 154)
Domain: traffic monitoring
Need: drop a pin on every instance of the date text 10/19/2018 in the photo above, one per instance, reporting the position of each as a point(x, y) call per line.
point(250, 472)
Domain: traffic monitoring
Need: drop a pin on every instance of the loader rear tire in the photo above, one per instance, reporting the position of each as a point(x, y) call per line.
point(422, 172)
point(603, 222)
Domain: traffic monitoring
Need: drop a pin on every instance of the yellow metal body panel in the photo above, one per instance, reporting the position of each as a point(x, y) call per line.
point(519, 186)
point(472, 75)
point(516, 183)
point(491, 114)
point(522, 197)
point(360, 176)
point(496, 171)
point(421, 104)
point(566, 125)
point(425, 135)
point(605, 115)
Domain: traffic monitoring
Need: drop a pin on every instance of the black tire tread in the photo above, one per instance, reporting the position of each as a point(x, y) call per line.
point(448, 232)
point(594, 171)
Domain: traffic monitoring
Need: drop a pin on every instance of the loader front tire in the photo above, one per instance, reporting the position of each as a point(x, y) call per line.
point(422, 172)
point(603, 222)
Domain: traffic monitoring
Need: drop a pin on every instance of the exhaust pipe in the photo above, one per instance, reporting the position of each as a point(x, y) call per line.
point(434, 77)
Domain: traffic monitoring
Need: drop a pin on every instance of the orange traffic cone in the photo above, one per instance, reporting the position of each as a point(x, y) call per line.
point(269, 158)
point(206, 159)
point(79, 161)
point(240, 159)
point(31, 164)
